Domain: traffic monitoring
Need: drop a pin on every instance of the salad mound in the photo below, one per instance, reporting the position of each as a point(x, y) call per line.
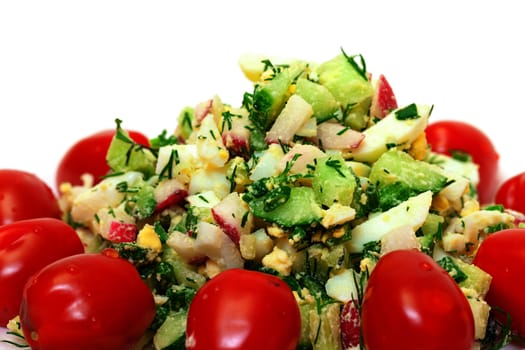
point(313, 178)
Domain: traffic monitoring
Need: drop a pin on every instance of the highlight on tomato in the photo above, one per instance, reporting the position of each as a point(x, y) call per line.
point(413, 303)
point(26, 246)
point(452, 137)
point(24, 195)
point(88, 155)
point(84, 302)
point(243, 310)
point(502, 255)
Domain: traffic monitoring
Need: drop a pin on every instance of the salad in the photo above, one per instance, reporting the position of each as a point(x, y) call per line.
point(320, 184)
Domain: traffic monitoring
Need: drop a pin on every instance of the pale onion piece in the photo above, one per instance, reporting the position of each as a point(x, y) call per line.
point(402, 237)
point(391, 131)
point(471, 227)
point(210, 148)
point(256, 245)
point(304, 155)
point(253, 64)
point(263, 243)
point(178, 161)
point(184, 246)
point(215, 180)
point(206, 199)
point(284, 243)
point(470, 205)
point(412, 212)
point(104, 195)
point(247, 246)
point(342, 286)
point(454, 242)
point(481, 311)
point(337, 136)
point(309, 128)
point(293, 116)
point(217, 108)
point(267, 162)
point(68, 192)
point(462, 173)
point(455, 191)
point(210, 269)
point(439, 253)
point(450, 165)
point(359, 169)
point(216, 245)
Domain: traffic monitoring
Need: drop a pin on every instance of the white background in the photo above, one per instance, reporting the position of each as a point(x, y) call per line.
point(69, 68)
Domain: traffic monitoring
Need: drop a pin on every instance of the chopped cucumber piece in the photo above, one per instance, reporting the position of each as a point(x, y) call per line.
point(172, 333)
point(319, 97)
point(350, 88)
point(398, 176)
point(124, 154)
point(333, 181)
point(270, 96)
point(300, 208)
point(477, 279)
point(185, 123)
point(325, 330)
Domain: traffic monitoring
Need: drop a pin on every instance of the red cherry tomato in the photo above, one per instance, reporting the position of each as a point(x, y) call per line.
point(502, 255)
point(85, 302)
point(24, 195)
point(413, 303)
point(88, 155)
point(243, 310)
point(448, 136)
point(26, 246)
point(511, 193)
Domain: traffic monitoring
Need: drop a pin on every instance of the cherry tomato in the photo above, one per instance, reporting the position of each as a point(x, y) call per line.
point(511, 193)
point(26, 246)
point(413, 303)
point(88, 155)
point(85, 302)
point(243, 310)
point(24, 195)
point(502, 255)
point(449, 136)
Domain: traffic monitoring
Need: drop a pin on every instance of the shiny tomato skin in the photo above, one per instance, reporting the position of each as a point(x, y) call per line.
point(511, 193)
point(243, 310)
point(24, 195)
point(447, 136)
point(84, 302)
point(502, 255)
point(88, 155)
point(26, 246)
point(410, 302)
